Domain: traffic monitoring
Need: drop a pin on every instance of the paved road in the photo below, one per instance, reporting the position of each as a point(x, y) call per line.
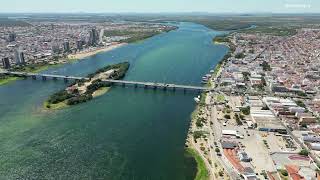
point(152, 84)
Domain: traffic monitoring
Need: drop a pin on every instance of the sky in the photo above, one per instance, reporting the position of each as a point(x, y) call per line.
point(161, 6)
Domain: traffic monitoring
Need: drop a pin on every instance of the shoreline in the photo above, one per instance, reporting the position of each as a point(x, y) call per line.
point(88, 53)
point(205, 168)
point(71, 57)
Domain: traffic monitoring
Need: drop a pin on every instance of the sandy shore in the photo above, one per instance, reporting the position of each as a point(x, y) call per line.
point(91, 52)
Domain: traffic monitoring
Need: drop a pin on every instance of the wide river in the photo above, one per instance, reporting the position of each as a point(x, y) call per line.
point(126, 134)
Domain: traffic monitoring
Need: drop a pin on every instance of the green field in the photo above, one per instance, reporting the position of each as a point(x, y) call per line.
point(202, 171)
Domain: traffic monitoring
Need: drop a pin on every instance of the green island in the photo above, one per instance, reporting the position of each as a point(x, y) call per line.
point(84, 90)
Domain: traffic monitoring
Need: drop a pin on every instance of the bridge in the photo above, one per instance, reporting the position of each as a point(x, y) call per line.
point(153, 85)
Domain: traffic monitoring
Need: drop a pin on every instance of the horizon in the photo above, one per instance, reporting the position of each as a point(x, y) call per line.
point(164, 6)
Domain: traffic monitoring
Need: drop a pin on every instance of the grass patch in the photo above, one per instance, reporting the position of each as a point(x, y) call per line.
point(8, 79)
point(220, 98)
point(202, 171)
point(57, 106)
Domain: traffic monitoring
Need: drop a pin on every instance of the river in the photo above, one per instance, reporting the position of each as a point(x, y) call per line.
point(125, 134)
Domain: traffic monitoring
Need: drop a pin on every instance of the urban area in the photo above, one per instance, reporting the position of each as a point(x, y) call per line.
point(28, 47)
point(262, 120)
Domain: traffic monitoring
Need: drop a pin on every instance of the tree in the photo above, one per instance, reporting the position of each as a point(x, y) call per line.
point(266, 67)
point(304, 152)
point(240, 56)
point(217, 150)
point(227, 116)
point(245, 110)
point(284, 172)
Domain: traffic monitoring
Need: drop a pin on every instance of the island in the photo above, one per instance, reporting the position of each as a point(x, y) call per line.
point(84, 90)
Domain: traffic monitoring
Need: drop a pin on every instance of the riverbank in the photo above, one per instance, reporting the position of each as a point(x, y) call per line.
point(198, 136)
point(92, 52)
point(36, 68)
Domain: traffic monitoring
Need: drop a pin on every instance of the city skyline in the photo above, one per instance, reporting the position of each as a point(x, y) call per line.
point(165, 6)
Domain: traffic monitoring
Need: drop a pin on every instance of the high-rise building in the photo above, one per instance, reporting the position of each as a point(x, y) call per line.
point(6, 63)
point(19, 57)
point(93, 37)
point(80, 44)
point(12, 37)
point(66, 46)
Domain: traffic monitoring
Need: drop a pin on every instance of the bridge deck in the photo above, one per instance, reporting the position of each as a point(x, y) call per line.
point(153, 84)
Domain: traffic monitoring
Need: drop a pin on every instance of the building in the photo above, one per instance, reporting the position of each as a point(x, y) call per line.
point(6, 63)
point(306, 118)
point(66, 46)
point(93, 37)
point(12, 37)
point(19, 57)
point(80, 44)
point(55, 49)
point(243, 156)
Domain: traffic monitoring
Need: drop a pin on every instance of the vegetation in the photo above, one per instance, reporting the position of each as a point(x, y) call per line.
point(134, 35)
point(73, 98)
point(245, 110)
point(304, 152)
point(246, 76)
point(266, 67)
point(302, 94)
point(283, 172)
point(300, 103)
point(199, 134)
point(200, 121)
point(221, 39)
point(34, 68)
point(227, 116)
point(220, 98)
point(240, 56)
point(202, 171)
point(275, 31)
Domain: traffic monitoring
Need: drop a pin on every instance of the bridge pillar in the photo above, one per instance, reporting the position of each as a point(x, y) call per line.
point(155, 87)
point(146, 86)
point(165, 88)
point(173, 88)
point(184, 90)
point(44, 78)
point(65, 79)
point(54, 78)
point(34, 77)
point(135, 85)
point(123, 84)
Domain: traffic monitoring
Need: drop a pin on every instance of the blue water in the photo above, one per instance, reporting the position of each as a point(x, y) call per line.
point(125, 134)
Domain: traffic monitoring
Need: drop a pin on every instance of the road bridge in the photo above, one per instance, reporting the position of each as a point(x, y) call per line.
point(153, 85)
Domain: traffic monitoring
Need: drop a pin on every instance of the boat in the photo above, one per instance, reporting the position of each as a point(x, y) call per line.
point(197, 99)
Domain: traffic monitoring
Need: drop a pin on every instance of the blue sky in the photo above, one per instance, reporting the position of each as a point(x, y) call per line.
point(152, 6)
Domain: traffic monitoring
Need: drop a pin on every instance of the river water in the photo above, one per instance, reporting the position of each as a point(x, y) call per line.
point(125, 134)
